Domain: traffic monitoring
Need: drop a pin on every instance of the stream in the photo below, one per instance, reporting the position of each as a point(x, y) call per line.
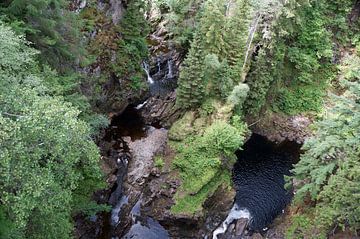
point(258, 174)
point(258, 177)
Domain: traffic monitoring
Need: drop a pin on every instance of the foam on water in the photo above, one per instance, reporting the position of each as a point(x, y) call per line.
point(235, 213)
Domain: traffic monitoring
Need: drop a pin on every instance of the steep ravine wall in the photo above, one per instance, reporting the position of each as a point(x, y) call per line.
point(155, 187)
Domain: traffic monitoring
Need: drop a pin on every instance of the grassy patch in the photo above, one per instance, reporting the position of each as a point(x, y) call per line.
point(191, 204)
point(159, 162)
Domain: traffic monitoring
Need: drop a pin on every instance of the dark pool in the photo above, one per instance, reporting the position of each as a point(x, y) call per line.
point(258, 176)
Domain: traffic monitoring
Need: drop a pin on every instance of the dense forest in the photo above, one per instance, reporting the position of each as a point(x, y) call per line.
point(67, 67)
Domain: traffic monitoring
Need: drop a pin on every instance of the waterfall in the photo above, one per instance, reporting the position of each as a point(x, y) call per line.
point(116, 210)
point(159, 65)
point(139, 106)
point(234, 214)
point(146, 68)
point(170, 73)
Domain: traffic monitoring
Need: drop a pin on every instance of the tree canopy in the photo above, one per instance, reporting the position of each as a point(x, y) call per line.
point(46, 151)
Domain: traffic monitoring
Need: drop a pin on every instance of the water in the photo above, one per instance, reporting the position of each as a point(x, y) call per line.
point(128, 124)
point(147, 70)
point(115, 212)
point(235, 213)
point(147, 229)
point(144, 227)
point(258, 177)
point(161, 79)
point(170, 69)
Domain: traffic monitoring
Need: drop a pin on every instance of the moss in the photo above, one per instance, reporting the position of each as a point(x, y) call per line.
point(200, 160)
point(182, 127)
point(191, 204)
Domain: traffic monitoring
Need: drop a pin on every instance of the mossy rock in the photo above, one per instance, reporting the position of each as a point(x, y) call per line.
point(183, 127)
point(193, 204)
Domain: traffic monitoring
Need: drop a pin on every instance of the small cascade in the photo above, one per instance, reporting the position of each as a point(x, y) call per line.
point(144, 227)
point(158, 65)
point(139, 106)
point(235, 213)
point(170, 70)
point(115, 212)
point(146, 68)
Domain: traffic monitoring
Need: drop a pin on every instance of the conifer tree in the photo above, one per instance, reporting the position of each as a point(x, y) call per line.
point(331, 162)
point(191, 88)
point(236, 35)
point(132, 45)
point(212, 27)
point(53, 29)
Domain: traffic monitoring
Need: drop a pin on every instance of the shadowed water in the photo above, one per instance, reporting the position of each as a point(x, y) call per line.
point(258, 177)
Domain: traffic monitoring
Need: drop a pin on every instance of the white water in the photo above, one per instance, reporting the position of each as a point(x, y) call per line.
point(116, 210)
point(139, 106)
point(170, 73)
point(147, 70)
point(159, 65)
point(234, 214)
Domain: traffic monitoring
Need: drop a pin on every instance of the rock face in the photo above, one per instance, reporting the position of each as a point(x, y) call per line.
point(161, 110)
point(142, 152)
point(279, 128)
point(116, 10)
point(140, 166)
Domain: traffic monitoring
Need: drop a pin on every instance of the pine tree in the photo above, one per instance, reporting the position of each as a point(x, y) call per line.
point(211, 28)
point(331, 161)
point(191, 89)
point(236, 35)
point(132, 47)
point(208, 39)
point(53, 29)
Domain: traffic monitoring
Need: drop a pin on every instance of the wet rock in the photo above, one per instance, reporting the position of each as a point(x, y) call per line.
point(142, 152)
point(161, 111)
point(240, 226)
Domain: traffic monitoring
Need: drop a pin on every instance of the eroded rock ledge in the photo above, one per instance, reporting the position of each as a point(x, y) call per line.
point(279, 128)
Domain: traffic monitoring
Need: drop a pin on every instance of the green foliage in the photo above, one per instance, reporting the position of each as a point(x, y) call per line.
point(217, 77)
point(6, 226)
point(221, 138)
point(211, 27)
point(299, 228)
point(212, 65)
point(159, 162)
point(289, 102)
point(182, 127)
point(200, 160)
point(294, 69)
point(191, 204)
point(52, 28)
point(236, 36)
point(179, 20)
point(191, 87)
point(46, 153)
point(207, 108)
point(259, 80)
point(132, 47)
point(238, 95)
point(331, 163)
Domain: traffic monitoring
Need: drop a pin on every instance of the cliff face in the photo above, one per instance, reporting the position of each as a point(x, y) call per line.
point(110, 87)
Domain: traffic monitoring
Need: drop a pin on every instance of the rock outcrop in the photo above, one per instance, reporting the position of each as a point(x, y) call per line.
point(279, 128)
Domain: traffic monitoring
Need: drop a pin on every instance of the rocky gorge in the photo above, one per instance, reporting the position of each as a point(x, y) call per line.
point(141, 192)
point(141, 189)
